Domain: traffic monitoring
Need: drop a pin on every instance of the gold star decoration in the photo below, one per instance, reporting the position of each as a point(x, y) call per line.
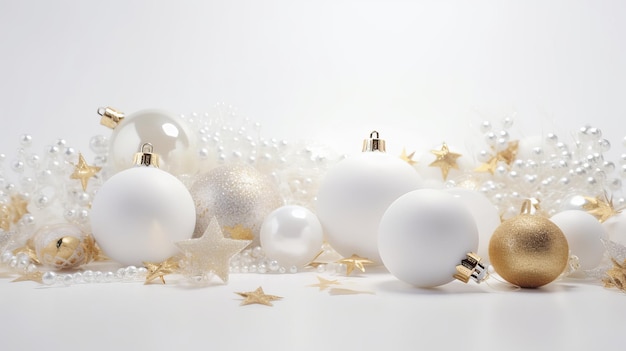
point(30, 276)
point(83, 171)
point(353, 262)
point(408, 158)
point(210, 253)
point(600, 207)
point(616, 276)
point(5, 217)
point(507, 155)
point(324, 284)
point(445, 160)
point(18, 207)
point(239, 232)
point(159, 270)
point(257, 296)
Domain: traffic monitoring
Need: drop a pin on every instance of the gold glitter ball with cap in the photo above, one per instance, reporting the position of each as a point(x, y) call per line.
point(528, 250)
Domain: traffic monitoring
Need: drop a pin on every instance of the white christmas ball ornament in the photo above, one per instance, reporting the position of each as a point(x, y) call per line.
point(485, 215)
point(584, 236)
point(616, 228)
point(138, 214)
point(353, 196)
point(291, 235)
point(424, 235)
point(169, 134)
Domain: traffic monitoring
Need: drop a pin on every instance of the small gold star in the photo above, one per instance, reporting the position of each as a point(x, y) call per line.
point(353, 262)
point(257, 296)
point(407, 158)
point(28, 277)
point(507, 155)
point(489, 166)
point(239, 232)
point(19, 207)
point(83, 171)
point(616, 276)
point(159, 270)
point(324, 283)
point(601, 208)
point(445, 160)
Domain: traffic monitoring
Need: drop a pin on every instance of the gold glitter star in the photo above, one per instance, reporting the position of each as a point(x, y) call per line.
point(257, 296)
point(324, 283)
point(28, 277)
point(239, 232)
point(19, 207)
point(489, 166)
point(616, 276)
point(445, 160)
point(83, 171)
point(507, 155)
point(211, 252)
point(601, 208)
point(159, 270)
point(407, 158)
point(353, 262)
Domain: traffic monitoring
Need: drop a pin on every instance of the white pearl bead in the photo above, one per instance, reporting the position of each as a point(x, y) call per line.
point(49, 278)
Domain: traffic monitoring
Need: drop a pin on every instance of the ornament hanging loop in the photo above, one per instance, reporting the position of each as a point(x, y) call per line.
point(146, 157)
point(110, 117)
point(374, 143)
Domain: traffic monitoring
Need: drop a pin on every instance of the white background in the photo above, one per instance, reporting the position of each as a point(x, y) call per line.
point(421, 72)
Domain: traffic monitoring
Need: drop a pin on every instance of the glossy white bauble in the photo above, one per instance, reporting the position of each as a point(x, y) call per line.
point(584, 236)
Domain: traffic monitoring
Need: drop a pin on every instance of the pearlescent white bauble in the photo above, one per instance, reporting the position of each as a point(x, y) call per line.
point(291, 235)
point(353, 196)
point(616, 228)
point(424, 235)
point(238, 196)
point(166, 132)
point(138, 214)
point(485, 215)
point(584, 236)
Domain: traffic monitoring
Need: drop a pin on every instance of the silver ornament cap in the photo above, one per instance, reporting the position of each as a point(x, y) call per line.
point(374, 143)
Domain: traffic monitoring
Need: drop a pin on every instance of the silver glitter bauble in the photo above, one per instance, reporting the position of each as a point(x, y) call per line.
point(238, 196)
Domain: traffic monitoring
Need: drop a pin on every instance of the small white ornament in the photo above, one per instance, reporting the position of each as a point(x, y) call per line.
point(424, 235)
point(355, 193)
point(616, 228)
point(138, 215)
point(584, 236)
point(169, 134)
point(291, 235)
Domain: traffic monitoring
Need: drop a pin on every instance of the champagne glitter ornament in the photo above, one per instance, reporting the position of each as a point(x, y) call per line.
point(238, 196)
point(528, 250)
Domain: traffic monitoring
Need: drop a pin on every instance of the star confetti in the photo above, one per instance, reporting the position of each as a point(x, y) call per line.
point(507, 155)
point(601, 208)
point(616, 276)
point(159, 270)
point(239, 232)
point(353, 262)
point(30, 276)
point(408, 158)
point(210, 253)
point(257, 296)
point(324, 283)
point(445, 160)
point(83, 171)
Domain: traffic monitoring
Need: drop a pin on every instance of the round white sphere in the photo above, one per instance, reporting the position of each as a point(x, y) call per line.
point(291, 235)
point(174, 140)
point(424, 235)
point(485, 215)
point(353, 196)
point(138, 215)
point(584, 236)
point(615, 227)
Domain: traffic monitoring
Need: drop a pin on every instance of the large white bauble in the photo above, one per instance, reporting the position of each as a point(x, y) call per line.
point(616, 228)
point(353, 196)
point(291, 235)
point(485, 215)
point(424, 235)
point(167, 133)
point(584, 236)
point(138, 214)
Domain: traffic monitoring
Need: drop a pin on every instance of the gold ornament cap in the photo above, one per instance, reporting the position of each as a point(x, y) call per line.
point(146, 157)
point(374, 143)
point(110, 117)
point(471, 267)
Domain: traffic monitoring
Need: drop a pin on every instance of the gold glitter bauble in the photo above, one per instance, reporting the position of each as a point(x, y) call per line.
point(238, 196)
point(63, 246)
point(528, 251)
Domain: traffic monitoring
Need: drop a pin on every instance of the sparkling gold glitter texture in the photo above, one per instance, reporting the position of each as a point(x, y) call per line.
point(528, 251)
